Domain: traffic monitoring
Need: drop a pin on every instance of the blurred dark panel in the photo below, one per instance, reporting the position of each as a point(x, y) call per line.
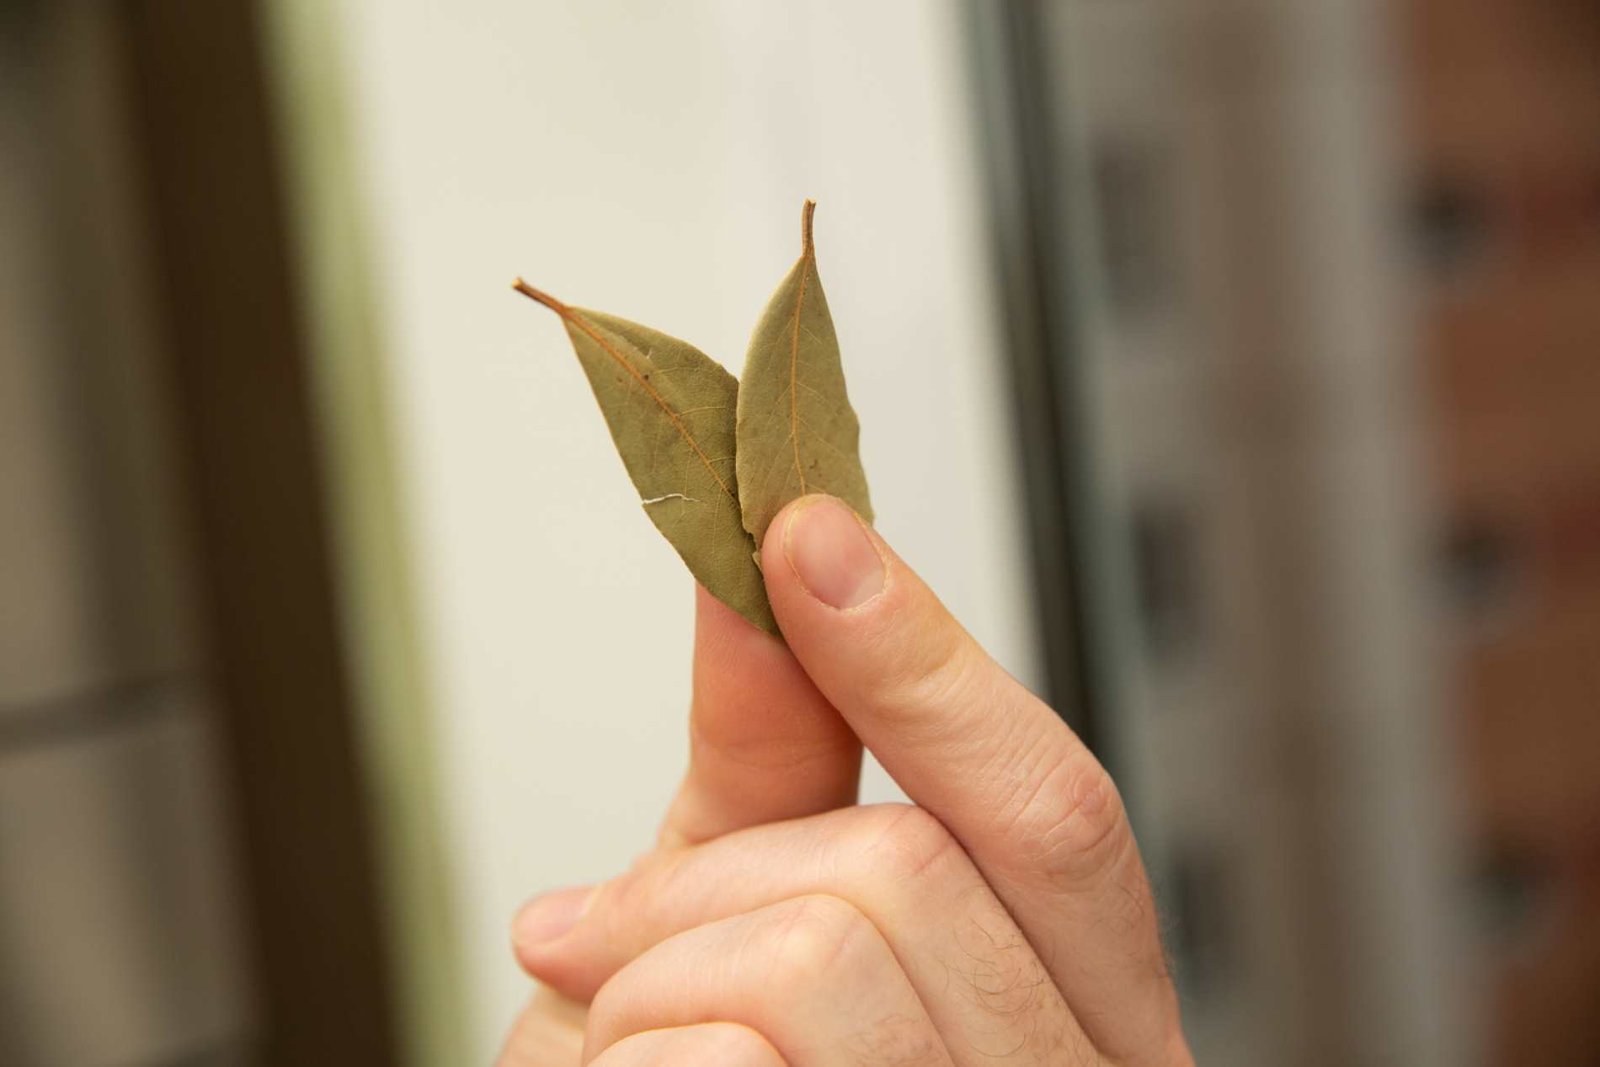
point(238, 366)
point(119, 925)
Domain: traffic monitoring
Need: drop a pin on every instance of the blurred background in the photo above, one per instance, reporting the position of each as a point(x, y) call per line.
point(1230, 367)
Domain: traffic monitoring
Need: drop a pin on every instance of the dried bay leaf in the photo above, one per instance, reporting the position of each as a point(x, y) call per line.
point(796, 431)
point(671, 411)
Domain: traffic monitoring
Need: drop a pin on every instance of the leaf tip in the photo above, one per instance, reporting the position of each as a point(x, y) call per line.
point(539, 295)
point(806, 212)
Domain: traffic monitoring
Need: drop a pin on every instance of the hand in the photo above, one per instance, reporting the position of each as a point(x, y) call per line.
point(1004, 919)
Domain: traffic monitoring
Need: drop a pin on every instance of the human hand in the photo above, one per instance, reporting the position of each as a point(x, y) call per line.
point(1005, 918)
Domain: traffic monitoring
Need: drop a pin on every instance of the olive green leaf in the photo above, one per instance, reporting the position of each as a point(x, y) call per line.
point(797, 433)
point(670, 408)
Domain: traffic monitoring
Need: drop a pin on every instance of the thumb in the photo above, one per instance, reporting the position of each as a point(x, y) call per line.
point(903, 672)
point(1029, 803)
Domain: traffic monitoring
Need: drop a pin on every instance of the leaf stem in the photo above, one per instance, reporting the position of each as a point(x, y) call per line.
point(805, 227)
point(542, 297)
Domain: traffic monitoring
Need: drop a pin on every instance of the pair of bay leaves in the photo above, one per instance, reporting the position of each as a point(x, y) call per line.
point(715, 458)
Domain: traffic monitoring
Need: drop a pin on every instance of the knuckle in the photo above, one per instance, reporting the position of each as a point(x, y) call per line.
point(904, 842)
point(622, 895)
point(733, 1043)
point(634, 909)
point(1071, 825)
point(630, 900)
point(926, 673)
point(804, 939)
point(747, 741)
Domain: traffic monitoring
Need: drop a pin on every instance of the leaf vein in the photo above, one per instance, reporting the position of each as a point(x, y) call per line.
point(794, 369)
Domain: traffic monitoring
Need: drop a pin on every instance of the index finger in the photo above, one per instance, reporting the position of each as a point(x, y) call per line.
point(764, 744)
point(1031, 805)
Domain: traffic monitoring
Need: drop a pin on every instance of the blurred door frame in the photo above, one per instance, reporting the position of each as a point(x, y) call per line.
point(203, 125)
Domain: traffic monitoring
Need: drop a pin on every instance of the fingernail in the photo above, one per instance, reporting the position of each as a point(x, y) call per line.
point(550, 916)
point(829, 551)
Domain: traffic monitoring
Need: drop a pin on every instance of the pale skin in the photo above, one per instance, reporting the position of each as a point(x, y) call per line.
point(1002, 918)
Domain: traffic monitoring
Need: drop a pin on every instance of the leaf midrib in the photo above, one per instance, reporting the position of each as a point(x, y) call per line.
point(571, 315)
point(807, 261)
point(794, 374)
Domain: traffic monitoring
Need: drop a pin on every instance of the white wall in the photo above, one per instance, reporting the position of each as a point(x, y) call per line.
point(650, 160)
